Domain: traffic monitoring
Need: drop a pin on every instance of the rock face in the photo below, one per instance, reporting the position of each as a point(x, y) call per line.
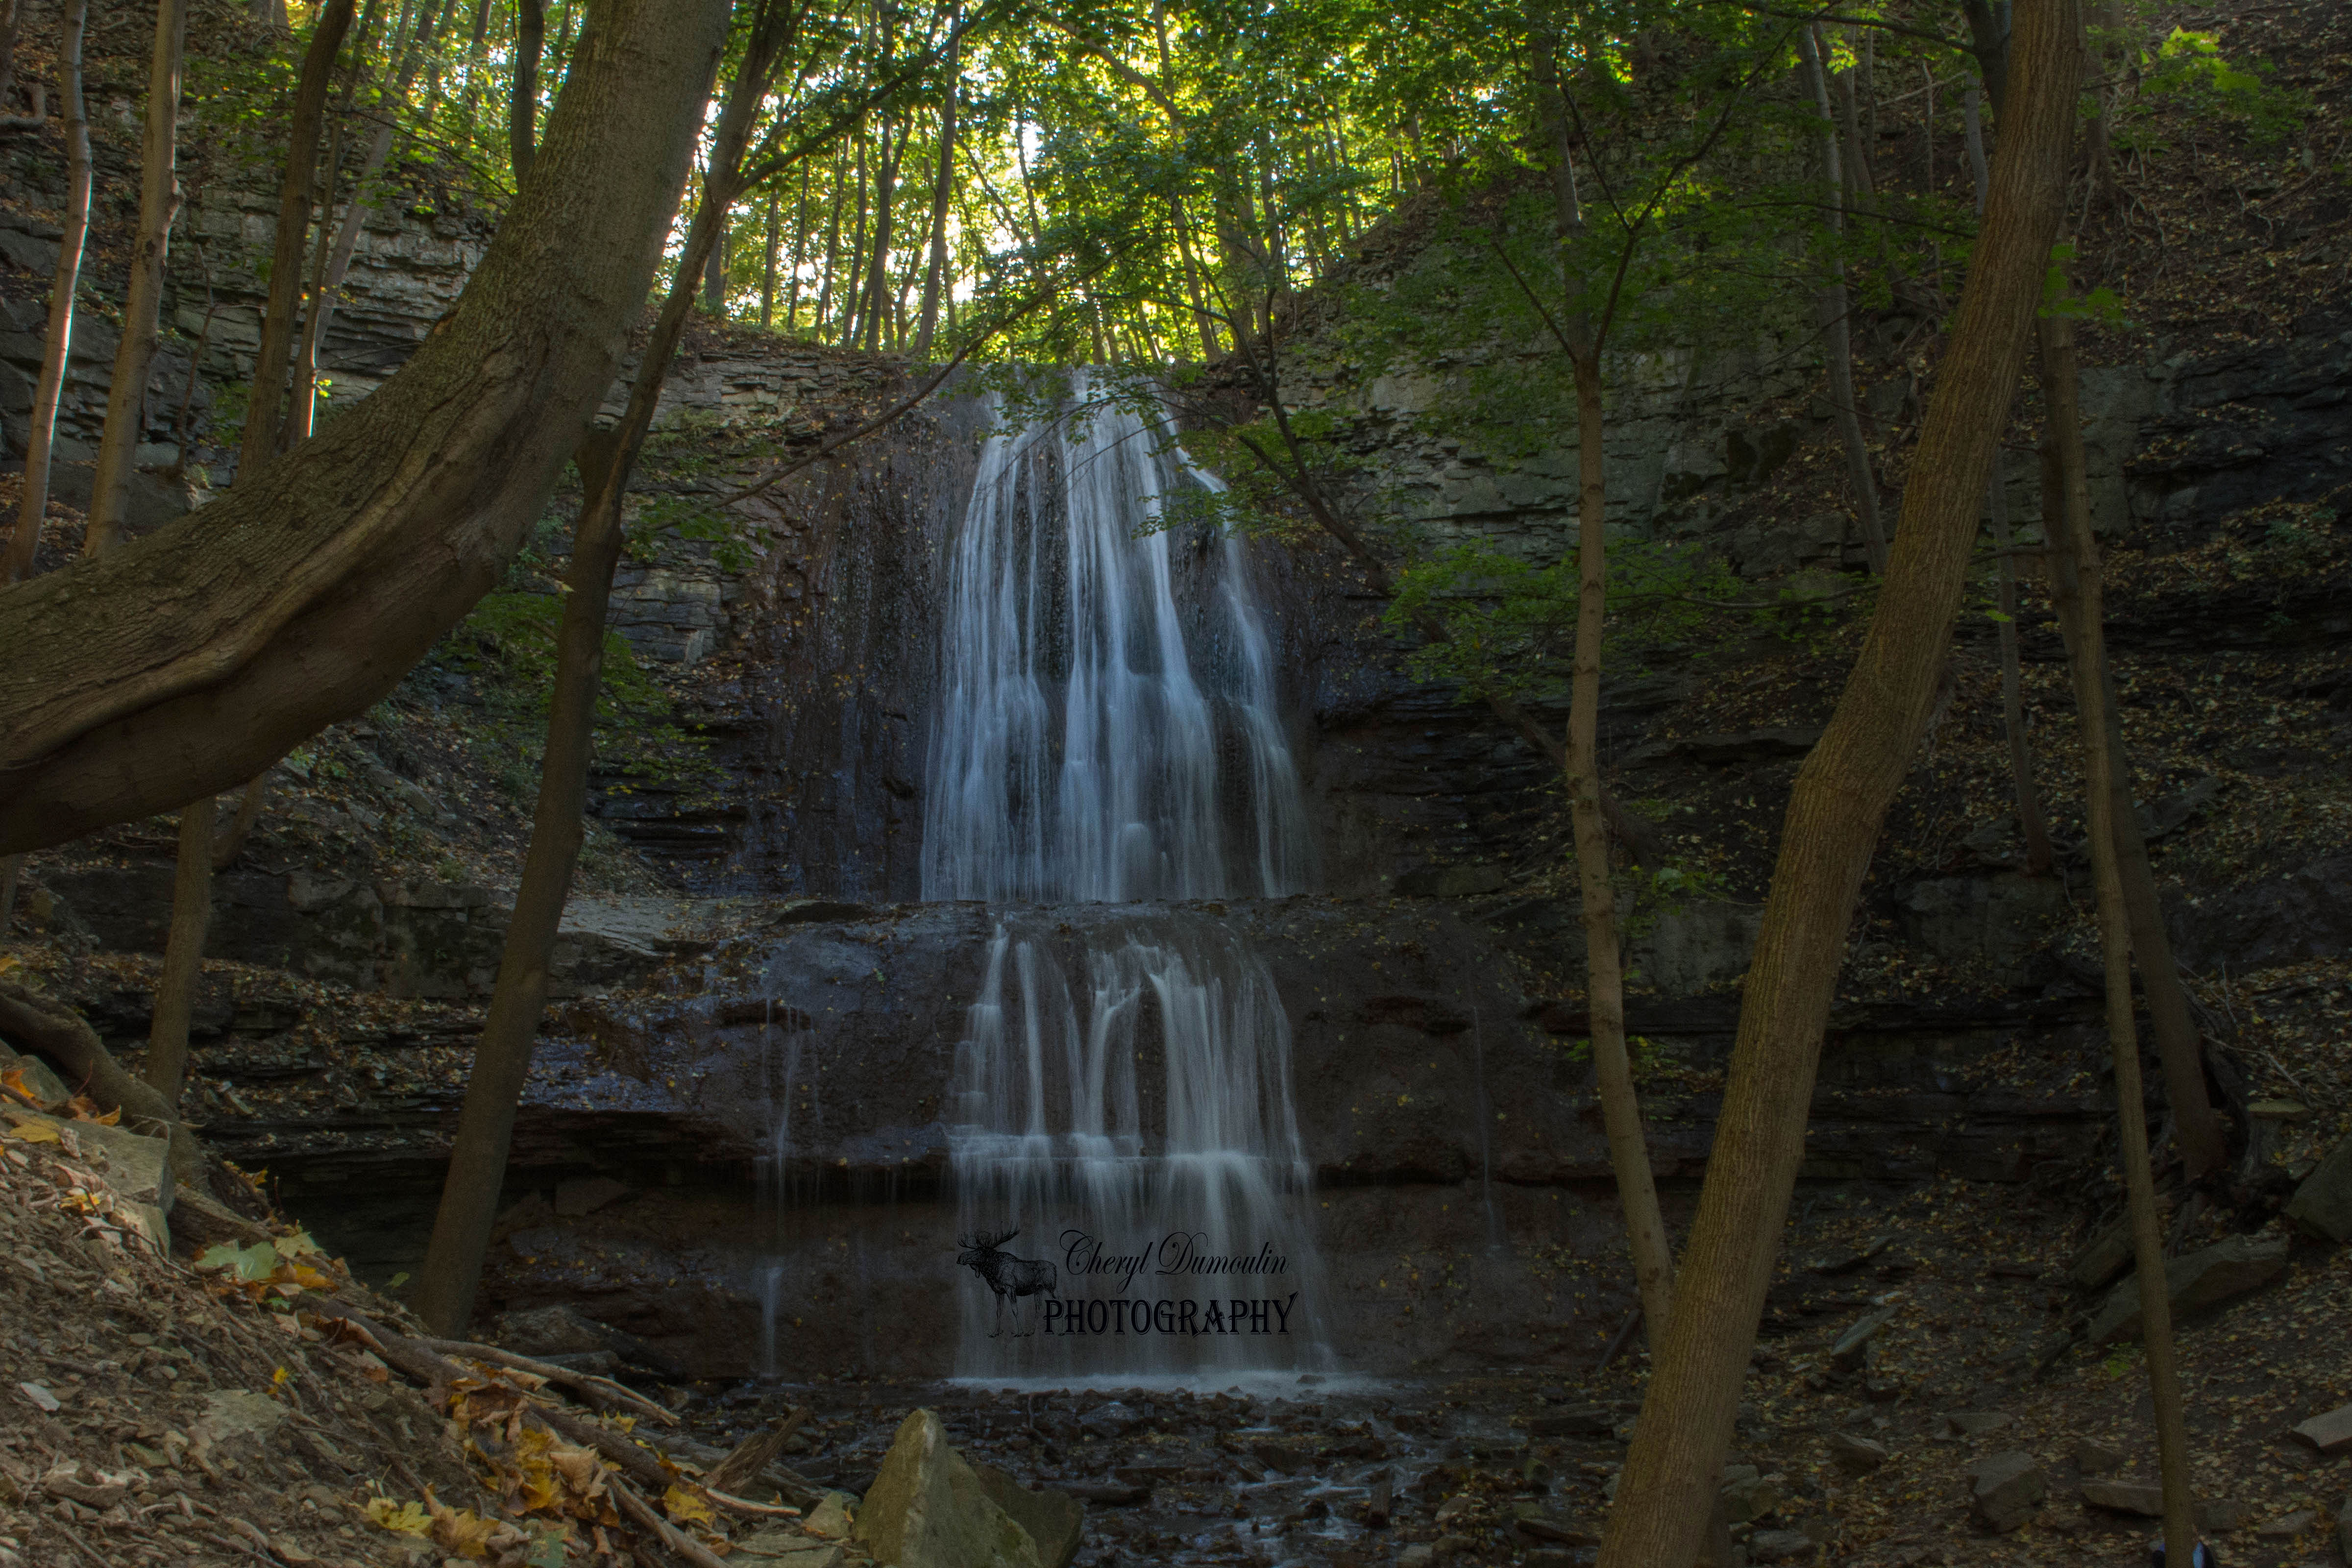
point(2323, 1203)
point(401, 937)
point(929, 1508)
point(2006, 1489)
point(2202, 1278)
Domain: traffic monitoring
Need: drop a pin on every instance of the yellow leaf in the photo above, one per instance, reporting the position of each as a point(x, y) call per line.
point(401, 1518)
point(460, 1532)
point(683, 1505)
point(33, 1133)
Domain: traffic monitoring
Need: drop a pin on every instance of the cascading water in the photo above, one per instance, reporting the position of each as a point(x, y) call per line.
point(1107, 733)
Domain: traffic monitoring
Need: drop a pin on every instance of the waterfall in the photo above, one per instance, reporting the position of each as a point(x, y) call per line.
point(1084, 748)
point(1108, 733)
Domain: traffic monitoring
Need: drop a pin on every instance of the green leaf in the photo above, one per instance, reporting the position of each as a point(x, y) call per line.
point(251, 1264)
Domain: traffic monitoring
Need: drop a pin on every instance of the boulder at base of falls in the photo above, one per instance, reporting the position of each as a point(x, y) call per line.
point(928, 1509)
point(1052, 1518)
point(2210, 1274)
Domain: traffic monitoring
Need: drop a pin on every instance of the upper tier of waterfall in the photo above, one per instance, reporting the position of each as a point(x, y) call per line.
point(1106, 727)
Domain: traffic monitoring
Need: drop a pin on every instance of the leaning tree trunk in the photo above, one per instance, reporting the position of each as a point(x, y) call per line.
point(1835, 308)
point(303, 595)
point(2204, 1145)
point(159, 200)
point(41, 442)
point(461, 1227)
point(2109, 801)
point(1832, 823)
point(265, 408)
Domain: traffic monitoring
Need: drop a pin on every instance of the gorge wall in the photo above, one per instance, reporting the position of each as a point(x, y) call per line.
point(788, 978)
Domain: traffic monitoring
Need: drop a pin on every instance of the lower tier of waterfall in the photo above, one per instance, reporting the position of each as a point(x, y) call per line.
point(1131, 1191)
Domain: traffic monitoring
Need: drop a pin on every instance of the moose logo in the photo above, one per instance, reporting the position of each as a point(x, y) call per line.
point(1007, 1276)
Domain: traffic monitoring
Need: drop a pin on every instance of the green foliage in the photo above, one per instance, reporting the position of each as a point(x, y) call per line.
point(659, 518)
point(1510, 623)
point(507, 645)
point(2190, 69)
point(2102, 306)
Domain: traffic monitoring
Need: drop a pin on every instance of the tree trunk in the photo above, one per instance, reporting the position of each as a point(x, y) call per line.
point(1832, 823)
point(273, 358)
point(772, 241)
point(800, 255)
point(469, 1195)
point(2032, 826)
point(942, 192)
point(322, 313)
point(2098, 130)
point(303, 595)
point(159, 201)
point(40, 442)
point(2204, 1146)
point(1613, 1071)
point(2109, 798)
point(853, 281)
point(885, 190)
point(714, 275)
point(228, 844)
point(183, 953)
point(823, 315)
point(1604, 989)
point(1837, 331)
point(1211, 350)
point(1989, 41)
point(522, 108)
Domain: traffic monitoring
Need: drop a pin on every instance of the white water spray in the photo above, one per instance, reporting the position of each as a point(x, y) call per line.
point(1107, 733)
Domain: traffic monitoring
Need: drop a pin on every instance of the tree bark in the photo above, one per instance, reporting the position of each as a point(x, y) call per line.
point(2032, 825)
point(522, 108)
point(1612, 1069)
point(229, 843)
point(159, 201)
point(942, 192)
point(302, 596)
point(2109, 798)
point(322, 313)
point(469, 1195)
point(1833, 820)
point(1605, 987)
point(2197, 1129)
point(885, 190)
point(183, 953)
point(714, 275)
point(1837, 331)
point(40, 443)
point(271, 362)
point(771, 241)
